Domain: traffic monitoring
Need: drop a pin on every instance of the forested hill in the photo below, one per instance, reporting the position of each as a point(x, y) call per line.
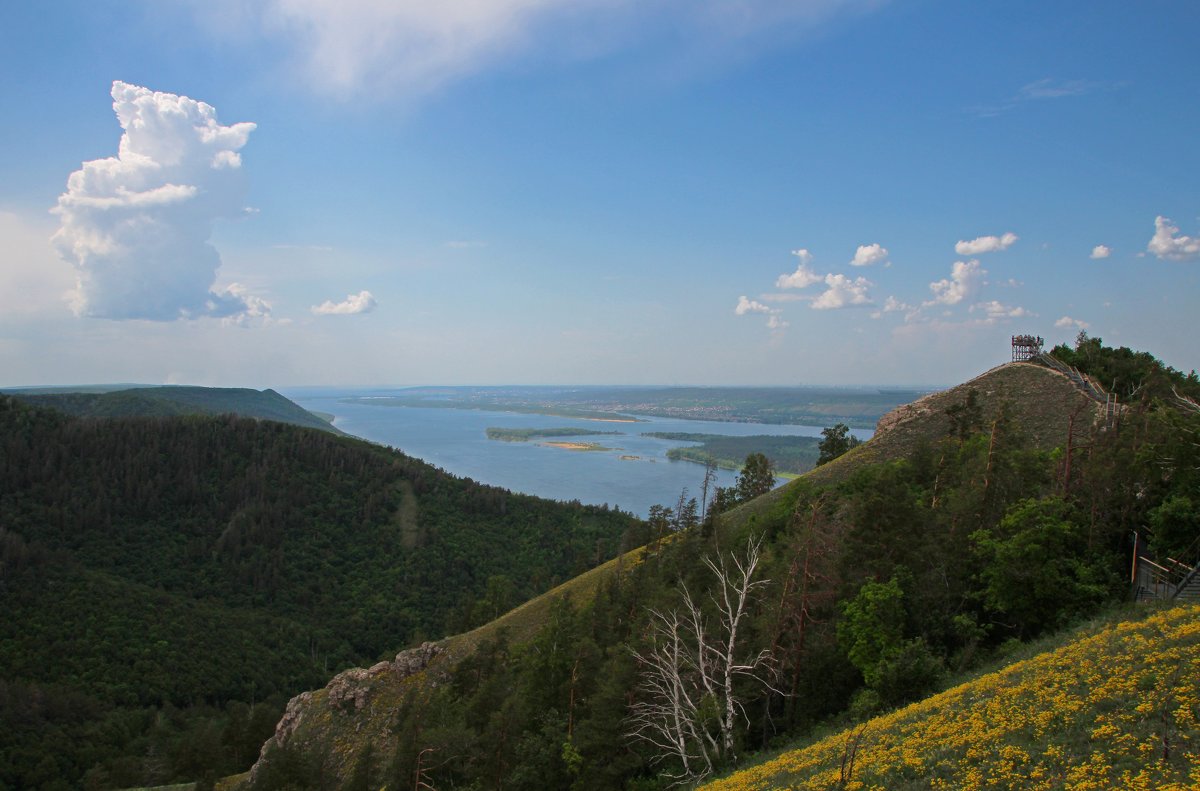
point(177, 400)
point(991, 514)
point(166, 583)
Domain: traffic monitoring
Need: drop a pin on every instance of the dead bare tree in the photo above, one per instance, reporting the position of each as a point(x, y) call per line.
point(688, 708)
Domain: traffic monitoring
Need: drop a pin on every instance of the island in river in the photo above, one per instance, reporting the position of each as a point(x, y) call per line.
point(526, 434)
point(789, 455)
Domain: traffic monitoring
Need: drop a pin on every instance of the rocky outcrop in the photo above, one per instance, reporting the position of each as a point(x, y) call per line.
point(348, 693)
point(291, 718)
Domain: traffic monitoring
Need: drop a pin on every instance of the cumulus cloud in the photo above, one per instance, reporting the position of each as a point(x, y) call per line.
point(136, 226)
point(362, 302)
point(746, 305)
point(996, 310)
point(964, 280)
point(1169, 245)
point(891, 305)
point(256, 307)
point(1101, 251)
point(868, 254)
point(842, 292)
point(775, 322)
point(986, 244)
point(1067, 322)
point(803, 277)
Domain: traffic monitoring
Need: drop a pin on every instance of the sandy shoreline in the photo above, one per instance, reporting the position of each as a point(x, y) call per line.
point(574, 445)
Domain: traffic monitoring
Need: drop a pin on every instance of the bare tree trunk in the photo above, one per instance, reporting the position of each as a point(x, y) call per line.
point(686, 665)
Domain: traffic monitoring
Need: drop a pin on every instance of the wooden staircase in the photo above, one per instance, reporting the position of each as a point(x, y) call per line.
point(1172, 580)
point(1086, 385)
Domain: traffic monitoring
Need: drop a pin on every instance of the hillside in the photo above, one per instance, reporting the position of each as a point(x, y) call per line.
point(1113, 706)
point(163, 579)
point(961, 526)
point(176, 400)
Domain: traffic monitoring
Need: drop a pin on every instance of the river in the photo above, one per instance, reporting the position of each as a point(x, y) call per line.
point(632, 474)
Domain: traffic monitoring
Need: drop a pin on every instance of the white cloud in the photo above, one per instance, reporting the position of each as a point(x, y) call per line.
point(1168, 246)
point(842, 292)
point(964, 280)
point(892, 305)
point(256, 306)
point(1041, 90)
point(136, 226)
point(746, 305)
point(803, 277)
point(375, 47)
point(868, 254)
point(986, 244)
point(996, 310)
point(1055, 89)
point(776, 323)
point(362, 302)
point(1101, 251)
point(1066, 322)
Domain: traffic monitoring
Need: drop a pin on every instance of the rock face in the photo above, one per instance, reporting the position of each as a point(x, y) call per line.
point(291, 717)
point(919, 408)
point(414, 660)
point(347, 693)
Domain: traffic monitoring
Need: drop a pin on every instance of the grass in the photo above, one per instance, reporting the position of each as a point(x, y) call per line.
point(523, 623)
point(1117, 706)
point(1040, 400)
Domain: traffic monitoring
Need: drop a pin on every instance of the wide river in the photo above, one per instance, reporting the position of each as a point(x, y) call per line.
point(632, 474)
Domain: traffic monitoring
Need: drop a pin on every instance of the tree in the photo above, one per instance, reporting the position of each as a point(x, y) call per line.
point(967, 417)
point(689, 709)
point(837, 440)
point(757, 477)
point(710, 478)
point(1038, 570)
point(685, 512)
point(726, 497)
point(872, 632)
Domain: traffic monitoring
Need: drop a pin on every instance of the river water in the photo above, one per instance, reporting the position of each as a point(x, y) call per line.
point(632, 474)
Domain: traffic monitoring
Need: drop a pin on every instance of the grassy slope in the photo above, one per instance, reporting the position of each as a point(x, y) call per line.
point(1092, 713)
point(1040, 398)
point(179, 400)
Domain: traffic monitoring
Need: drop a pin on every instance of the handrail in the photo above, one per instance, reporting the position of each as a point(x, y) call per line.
point(1179, 564)
point(1148, 561)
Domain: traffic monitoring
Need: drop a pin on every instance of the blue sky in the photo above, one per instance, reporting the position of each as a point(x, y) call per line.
point(602, 191)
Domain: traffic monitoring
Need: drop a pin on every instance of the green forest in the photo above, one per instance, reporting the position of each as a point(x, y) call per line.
point(168, 582)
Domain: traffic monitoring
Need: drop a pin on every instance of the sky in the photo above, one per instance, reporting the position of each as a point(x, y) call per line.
point(757, 192)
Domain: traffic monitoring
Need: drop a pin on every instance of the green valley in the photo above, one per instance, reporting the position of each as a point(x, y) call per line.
point(164, 579)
